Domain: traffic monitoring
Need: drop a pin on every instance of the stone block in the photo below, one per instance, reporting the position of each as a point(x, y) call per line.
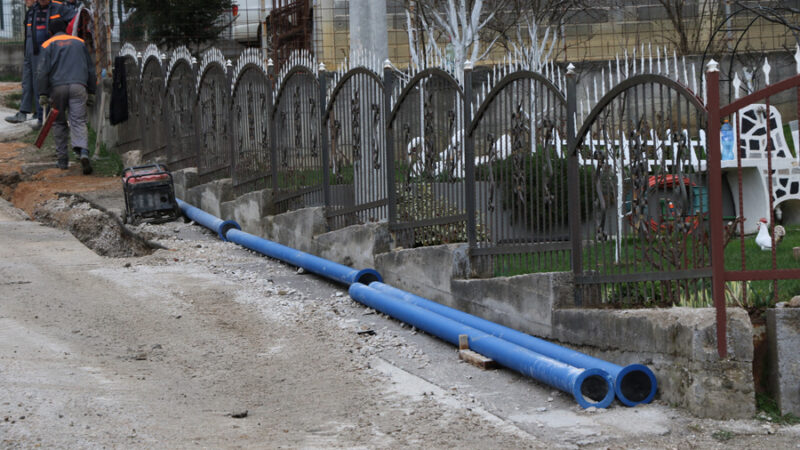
point(249, 209)
point(131, 158)
point(425, 271)
point(524, 302)
point(355, 246)
point(296, 229)
point(183, 180)
point(783, 339)
point(679, 345)
point(210, 196)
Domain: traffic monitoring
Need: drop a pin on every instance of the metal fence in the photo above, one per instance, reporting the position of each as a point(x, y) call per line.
point(611, 178)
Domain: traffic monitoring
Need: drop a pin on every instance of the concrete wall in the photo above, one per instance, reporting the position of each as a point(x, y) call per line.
point(11, 56)
point(783, 340)
point(679, 344)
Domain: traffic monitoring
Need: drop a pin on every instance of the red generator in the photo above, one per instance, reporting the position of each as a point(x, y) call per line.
point(149, 195)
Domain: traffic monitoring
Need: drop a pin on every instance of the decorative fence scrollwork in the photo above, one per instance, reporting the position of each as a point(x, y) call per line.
point(152, 100)
point(129, 132)
point(179, 114)
point(297, 115)
point(521, 177)
point(644, 195)
point(355, 125)
point(428, 191)
point(252, 156)
point(213, 114)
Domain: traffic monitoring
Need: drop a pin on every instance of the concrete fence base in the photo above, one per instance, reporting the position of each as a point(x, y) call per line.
point(783, 339)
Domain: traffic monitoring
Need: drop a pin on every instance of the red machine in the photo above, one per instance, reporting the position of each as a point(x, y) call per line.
point(149, 194)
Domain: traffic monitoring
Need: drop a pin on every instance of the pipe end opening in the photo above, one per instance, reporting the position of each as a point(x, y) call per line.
point(594, 389)
point(226, 226)
point(636, 384)
point(367, 276)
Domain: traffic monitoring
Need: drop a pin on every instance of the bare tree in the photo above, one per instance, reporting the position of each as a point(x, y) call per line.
point(693, 22)
point(476, 27)
point(775, 12)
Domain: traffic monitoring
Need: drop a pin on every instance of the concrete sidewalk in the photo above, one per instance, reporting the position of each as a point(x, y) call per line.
point(12, 131)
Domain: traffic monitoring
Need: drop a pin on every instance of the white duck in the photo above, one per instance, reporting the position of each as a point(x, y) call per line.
point(763, 239)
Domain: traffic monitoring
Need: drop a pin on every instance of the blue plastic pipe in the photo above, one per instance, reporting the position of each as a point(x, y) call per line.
point(320, 266)
point(589, 387)
point(207, 220)
point(229, 230)
point(633, 384)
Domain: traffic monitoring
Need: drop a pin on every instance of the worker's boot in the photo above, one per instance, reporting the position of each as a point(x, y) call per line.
point(19, 117)
point(87, 165)
point(63, 162)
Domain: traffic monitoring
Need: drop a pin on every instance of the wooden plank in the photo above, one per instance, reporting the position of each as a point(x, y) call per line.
point(463, 342)
point(476, 359)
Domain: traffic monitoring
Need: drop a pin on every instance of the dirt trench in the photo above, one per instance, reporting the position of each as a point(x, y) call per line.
point(95, 228)
point(54, 197)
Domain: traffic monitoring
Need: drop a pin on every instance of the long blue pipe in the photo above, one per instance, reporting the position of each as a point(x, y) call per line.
point(320, 266)
point(207, 220)
point(633, 384)
point(581, 383)
point(229, 230)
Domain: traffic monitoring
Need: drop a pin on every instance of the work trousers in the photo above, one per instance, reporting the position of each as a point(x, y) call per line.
point(70, 101)
point(30, 89)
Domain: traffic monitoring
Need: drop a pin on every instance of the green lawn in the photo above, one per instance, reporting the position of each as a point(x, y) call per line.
point(601, 256)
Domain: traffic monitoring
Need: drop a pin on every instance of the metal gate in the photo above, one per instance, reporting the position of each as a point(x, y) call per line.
point(130, 132)
point(152, 100)
point(213, 111)
point(297, 116)
point(426, 179)
point(522, 214)
point(179, 112)
point(251, 157)
point(643, 196)
point(355, 124)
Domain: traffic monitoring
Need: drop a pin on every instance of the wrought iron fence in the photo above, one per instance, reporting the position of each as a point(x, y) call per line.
point(252, 163)
point(612, 179)
point(644, 194)
point(355, 125)
point(213, 117)
point(179, 114)
point(520, 179)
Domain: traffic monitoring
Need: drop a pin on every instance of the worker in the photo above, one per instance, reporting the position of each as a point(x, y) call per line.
point(28, 78)
point(37, 18)
point(66, 75)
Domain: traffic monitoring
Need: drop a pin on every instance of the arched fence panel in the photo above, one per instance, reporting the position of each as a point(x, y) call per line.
point(152, 90)
point(297, 118)
point(251, 158)
point(644, 209)
point(212, 111)
point(427, 131)
point(129, 132)
point(355, 123)
point(179, 117)
point(522, 211)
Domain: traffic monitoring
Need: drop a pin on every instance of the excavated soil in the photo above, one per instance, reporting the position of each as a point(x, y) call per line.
point(96, 229)
point(30, 182)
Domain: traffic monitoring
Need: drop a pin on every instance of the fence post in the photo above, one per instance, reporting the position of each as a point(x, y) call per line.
point(273, 152)
point(715, 207)
point(469, 155)
point(388, 85)
point(195, 114)
point(229, 122)
point(573, 183)
point(326, 178)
